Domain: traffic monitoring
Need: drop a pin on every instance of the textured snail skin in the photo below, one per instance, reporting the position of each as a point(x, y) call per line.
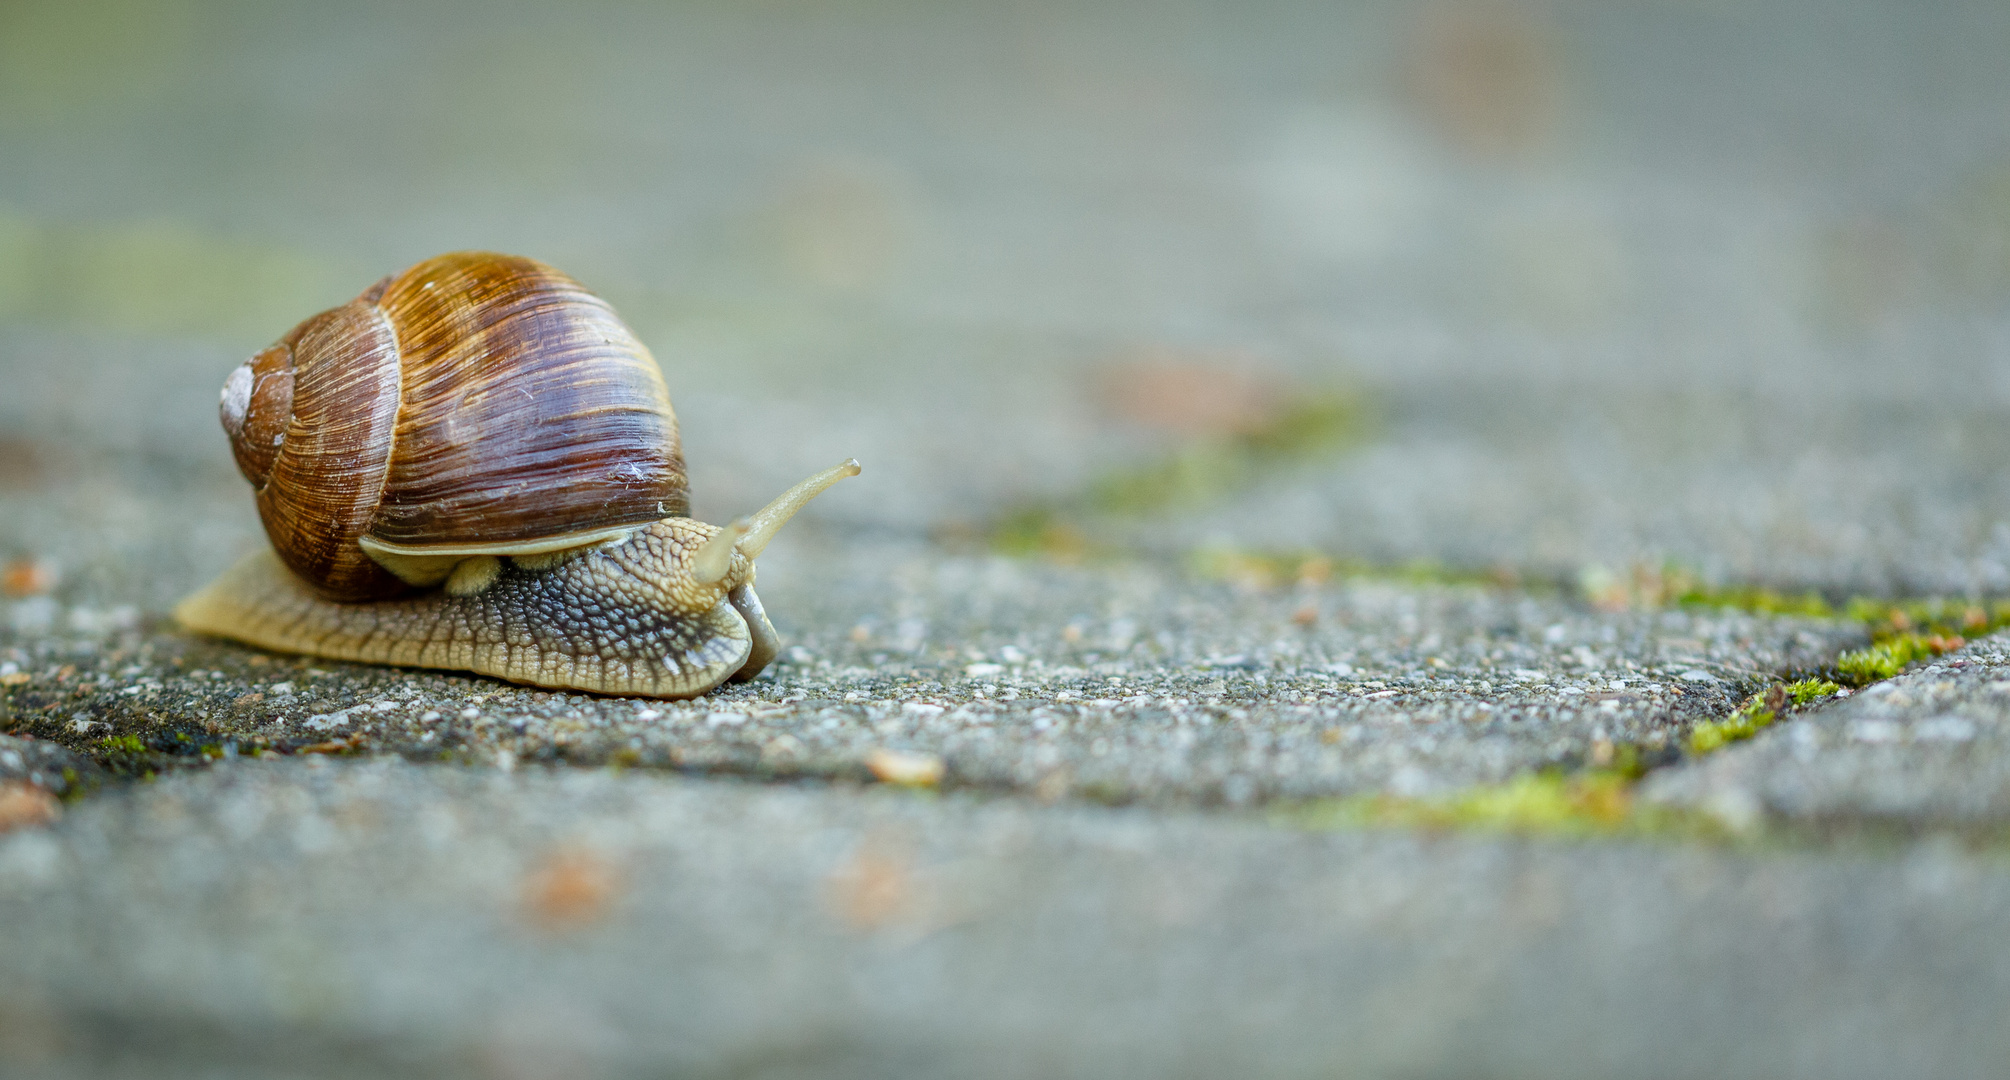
point(629, 618)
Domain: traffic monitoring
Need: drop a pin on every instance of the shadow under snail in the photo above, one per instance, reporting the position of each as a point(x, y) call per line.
point(474, 466)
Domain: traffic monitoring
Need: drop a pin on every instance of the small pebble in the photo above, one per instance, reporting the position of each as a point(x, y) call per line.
point(905, 769)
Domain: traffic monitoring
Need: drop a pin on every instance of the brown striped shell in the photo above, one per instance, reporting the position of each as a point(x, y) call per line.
point(473, 404)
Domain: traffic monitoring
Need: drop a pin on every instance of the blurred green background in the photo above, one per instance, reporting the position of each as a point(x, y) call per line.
point(956, 239)
point(1566, 170)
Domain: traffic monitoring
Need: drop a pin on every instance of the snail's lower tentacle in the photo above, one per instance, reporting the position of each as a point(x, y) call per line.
point(607, 622)
point(766, 643)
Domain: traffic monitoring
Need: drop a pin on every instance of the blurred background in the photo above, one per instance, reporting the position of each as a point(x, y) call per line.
point(1563, 287)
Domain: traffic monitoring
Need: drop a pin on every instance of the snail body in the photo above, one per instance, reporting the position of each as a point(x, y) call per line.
point(474, 465)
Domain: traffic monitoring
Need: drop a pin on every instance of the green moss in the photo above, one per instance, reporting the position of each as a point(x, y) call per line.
point(127, 755)
point(1757, 713)
point(1600, 802)
point(1758, 601)
point(1950, 621)
point(1306, 428)
point(1039, 530)
point(1265, 569)
point(1906, 631)
point(1811, 690)
point(1750, 719)
point(1199, 472)
point(1312, 425)
point(1650, 587)
point(1624, 761)
point(1258, 569)
point(1106, 792)
point(1193, 475)
point(1861, 667)
point(122, 744)
point(1902, 631)
point(1594, 803)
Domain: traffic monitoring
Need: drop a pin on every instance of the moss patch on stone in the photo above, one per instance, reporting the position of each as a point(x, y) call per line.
point(1861, 667)
point(1552, 803)
point(1759, 712)
point(1040, 530)
point(1264, 570)
point(1902, 631)
point(1307, 427)
point(1811, 690)
point(1648, 586)
point(1906, 631)
point(1746, 721)
point(122, 744)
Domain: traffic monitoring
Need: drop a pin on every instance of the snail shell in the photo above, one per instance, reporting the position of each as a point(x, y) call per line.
point(474, 465)
point(474, 404)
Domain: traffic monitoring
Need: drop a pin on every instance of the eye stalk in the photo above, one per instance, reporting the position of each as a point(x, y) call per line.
point(714, 558)
point(750, 536)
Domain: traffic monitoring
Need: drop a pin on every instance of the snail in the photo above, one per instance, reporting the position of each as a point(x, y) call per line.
point(474, 466)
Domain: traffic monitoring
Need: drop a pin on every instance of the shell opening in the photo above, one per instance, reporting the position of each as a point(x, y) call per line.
point(763, 526)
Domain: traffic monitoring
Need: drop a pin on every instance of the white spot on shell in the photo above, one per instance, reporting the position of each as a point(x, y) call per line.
point(237, 397)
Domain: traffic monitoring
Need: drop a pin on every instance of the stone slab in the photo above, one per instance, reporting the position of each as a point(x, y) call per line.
point(1685, 324)
point(1623, 341)
point(1134, 681)
point(350, 918)
point(1927, 749)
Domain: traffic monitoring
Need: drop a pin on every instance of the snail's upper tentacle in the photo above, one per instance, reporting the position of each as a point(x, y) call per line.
point(769, 520)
